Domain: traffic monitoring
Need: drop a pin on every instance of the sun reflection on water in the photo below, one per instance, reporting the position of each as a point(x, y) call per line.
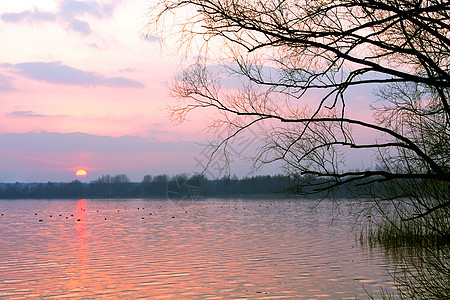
point(80, 225)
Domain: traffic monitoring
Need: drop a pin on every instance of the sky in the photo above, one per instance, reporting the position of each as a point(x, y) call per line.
point(83, 85)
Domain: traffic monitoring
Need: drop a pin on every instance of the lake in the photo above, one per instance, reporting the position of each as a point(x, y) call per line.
point(205, 249)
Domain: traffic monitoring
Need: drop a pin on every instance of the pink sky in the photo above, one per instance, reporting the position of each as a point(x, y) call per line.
point(76, 65)
point(87, 67)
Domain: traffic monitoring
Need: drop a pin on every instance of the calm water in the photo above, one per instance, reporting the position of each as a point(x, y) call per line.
point(210, 249)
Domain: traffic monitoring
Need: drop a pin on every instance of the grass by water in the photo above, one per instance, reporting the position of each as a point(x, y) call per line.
point(396, 233)
point(420, 253)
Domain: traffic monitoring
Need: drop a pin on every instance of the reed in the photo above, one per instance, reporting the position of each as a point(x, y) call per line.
point(396, 233)
point(420, 253)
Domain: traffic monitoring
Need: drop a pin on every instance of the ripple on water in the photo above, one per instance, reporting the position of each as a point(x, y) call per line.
point(212, 249)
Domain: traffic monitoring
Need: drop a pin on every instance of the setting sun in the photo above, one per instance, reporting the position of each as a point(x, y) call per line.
point(81, 173)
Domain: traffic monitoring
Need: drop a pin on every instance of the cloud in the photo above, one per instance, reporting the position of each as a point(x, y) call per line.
point(69, 13)
point(44, 156)
point(122, 81)
point(29, 16)
point(152, 38)
point(5, 83)
point(24, 114)
point(73, 8)
point(81, 27)
point(56, 72)
point(51, 142)
point(127, 70)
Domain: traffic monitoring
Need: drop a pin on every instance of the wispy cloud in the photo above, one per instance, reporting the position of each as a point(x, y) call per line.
point(74, 8)
point(71, 13)
point(55, 72)
point(29, 16)
point(5, 83)
point(73, 142)
point(24, 114)
point(80, 26)
point(151, 37)
point(31, 157)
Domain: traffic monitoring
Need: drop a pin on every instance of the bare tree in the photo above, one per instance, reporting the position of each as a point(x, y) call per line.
point(296, 61)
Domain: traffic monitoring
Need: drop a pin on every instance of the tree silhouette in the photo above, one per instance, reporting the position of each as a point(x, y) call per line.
point(296, 62)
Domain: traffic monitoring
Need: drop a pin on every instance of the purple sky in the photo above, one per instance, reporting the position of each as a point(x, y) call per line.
point(83, 85)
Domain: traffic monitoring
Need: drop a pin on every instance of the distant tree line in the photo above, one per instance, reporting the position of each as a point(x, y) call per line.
point(183, 186)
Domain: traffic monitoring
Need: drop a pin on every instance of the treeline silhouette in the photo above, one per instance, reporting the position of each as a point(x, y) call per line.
point(180, 186)
point(160, 186)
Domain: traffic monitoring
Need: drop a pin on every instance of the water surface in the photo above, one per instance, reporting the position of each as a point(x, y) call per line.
point(208, 249)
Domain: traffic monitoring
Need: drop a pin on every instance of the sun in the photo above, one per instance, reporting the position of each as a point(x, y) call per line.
point(81, 173)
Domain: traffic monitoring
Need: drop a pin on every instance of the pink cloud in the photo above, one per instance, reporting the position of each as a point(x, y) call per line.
point(29, 16)
point(55, 72)
point(69, 12)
